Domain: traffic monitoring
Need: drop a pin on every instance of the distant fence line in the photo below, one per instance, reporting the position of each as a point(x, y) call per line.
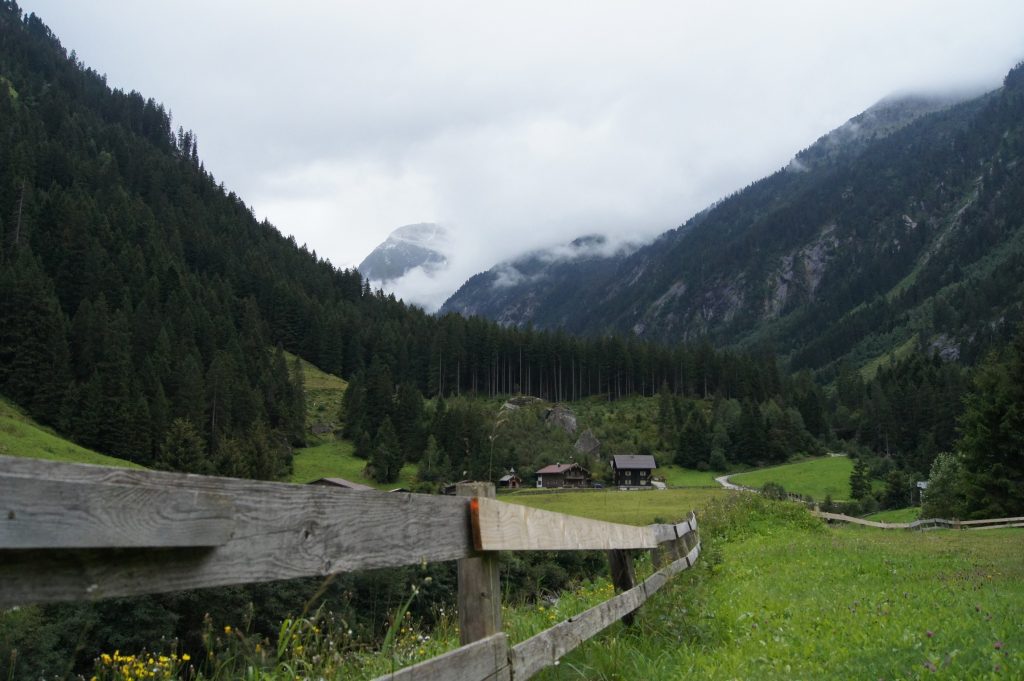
point(80, 532)
point(926, 523)
point(922, 524)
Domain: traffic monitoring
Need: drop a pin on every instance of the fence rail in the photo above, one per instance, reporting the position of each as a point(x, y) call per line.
point(926, 523)
point(82, 532)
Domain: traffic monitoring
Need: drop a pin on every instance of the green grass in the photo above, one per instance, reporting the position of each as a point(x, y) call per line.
point(686, 477)
point(776, 598)
point(21, 436)
point(905, 349)
point(323, 392)
point(897, 515)
point(633, 507)
point(828, 476)
point(335, 459)
point(328, 456)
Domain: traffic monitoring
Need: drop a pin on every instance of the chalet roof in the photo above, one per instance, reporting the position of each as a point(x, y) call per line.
point(342, 482)
point(507, 478)
point(556, 468)
point(634, 461)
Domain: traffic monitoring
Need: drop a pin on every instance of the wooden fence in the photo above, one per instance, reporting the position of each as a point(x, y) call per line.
point(926, 523)
point(80, 532)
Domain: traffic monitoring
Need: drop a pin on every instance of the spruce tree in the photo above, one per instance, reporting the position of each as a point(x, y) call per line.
point(992, 440)
point(408, 421)
point(386, 460)
point(184, 449)
point(860, 485)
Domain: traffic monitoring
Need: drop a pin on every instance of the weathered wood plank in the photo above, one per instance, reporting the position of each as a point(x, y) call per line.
point(925, 523)
point(281, 531)
point(61, 514)
point(860, 521)
point(485, 660)
point(995, 527)
point(663, 533)
point(479, 596)
point(500, 526)
point(620, 563)
point(991, 521)
point(684, 528)
point(547, 647)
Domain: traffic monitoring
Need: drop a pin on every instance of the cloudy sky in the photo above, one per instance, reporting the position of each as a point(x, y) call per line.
point(523, 124)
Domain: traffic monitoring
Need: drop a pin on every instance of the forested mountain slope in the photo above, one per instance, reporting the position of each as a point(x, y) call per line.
point(141, 301)
point(903, 225)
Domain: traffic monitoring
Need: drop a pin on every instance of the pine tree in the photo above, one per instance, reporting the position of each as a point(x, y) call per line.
point(386, 460)
point(944, 497)
point(430, 468)
point(408, 421)
point(666, 420)
point(297, 418)
point(184, 449)
point(860, 485)
point(992, 440)
point(694, 447)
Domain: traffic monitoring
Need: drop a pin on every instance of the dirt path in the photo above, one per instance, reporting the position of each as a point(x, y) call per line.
point(723, 480)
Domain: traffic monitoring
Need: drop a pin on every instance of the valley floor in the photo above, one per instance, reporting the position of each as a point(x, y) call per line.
point(787, 599)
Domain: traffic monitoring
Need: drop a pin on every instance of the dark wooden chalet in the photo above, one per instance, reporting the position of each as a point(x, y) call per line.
point(633, 470)
point(563, 475)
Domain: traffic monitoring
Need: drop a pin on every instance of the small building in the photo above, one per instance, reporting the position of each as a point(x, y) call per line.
point(342, 483)
point(633, 470)
point(510, 480)
point(563, 475)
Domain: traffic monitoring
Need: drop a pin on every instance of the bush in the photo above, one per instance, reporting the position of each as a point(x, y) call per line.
point(773, 490)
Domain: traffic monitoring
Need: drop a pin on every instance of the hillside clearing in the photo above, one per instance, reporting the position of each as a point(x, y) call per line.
point(335, 459)
point(21, 436)
point(818, 478)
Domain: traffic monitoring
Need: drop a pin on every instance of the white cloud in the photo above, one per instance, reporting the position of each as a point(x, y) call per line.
point(518, 125)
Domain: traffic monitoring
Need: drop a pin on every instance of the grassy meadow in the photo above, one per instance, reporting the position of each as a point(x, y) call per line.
point(686, 477)
point(323, 393)
point(334, 458)
point(780, 597)
point(828, 476)
point(896, 515)
point(21, 436)
point(633, 507)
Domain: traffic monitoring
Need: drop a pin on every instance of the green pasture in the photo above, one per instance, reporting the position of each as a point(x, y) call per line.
point(775, 597)
point(335, 459)
point(897, 515)
point(21, 436)
point(686, 477)
point(323, 393)
point(818, 478)
point(632, 507)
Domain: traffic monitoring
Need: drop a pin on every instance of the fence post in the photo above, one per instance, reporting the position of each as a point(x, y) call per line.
point(479, 589)
point(657, 557)
point(623, 576)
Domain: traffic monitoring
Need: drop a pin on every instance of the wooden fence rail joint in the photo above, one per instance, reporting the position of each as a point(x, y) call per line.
point(82, 532)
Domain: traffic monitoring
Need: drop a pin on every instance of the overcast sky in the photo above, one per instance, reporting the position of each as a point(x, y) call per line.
point(523, 124)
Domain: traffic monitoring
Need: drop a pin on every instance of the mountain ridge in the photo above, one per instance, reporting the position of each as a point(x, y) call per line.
point(843, 241)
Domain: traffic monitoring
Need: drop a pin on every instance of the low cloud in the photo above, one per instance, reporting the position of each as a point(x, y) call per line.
point(522, 126)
